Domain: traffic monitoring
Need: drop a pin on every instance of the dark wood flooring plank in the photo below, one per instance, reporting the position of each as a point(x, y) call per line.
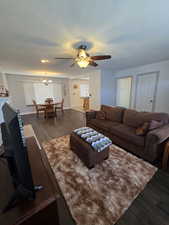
point(46, 129)
point(152, 206)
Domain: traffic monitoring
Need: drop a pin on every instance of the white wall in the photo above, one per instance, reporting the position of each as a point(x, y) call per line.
point(162, 98)
point(1, 80)
point(107, 87)
point(16, 91)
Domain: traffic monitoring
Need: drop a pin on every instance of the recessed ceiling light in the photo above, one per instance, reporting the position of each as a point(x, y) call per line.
point(44, 61)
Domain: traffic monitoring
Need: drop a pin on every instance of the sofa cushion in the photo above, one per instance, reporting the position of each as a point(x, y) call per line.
point(114, 114)
point(132, 118)
point(101, 115)
point(135, 119)
point(128, 133)
point(103, 124)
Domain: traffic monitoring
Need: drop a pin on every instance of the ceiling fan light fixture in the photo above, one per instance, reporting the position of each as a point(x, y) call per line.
point(83, 63)
point(44, 61)
point(83, 59)
point(82, 54)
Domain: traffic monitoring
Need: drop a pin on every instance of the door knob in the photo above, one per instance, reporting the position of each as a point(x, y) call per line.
point(151, 101)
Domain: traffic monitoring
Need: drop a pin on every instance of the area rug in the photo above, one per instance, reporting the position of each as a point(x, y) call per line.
point(101, 195)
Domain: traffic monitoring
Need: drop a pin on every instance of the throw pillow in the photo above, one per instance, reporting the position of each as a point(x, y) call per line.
point(100, 115)
point(143, 129)
point(155, 124)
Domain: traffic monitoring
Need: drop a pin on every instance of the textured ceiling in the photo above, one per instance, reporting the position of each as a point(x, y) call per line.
point(134, 32)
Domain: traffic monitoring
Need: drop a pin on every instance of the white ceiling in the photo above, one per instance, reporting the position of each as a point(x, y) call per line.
point(134, 32)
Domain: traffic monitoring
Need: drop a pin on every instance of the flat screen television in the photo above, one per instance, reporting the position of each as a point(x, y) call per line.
point(15, 151)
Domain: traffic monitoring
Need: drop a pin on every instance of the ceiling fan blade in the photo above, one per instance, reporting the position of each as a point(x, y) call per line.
point(72, 64)
point(100, 57)
point(64, 58)
point(92, 63)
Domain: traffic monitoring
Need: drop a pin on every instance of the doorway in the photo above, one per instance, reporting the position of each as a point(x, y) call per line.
point(146, 88)
point(79, 90)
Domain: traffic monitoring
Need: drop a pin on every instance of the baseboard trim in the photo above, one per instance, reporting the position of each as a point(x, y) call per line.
point(66, 108)
point(34, 112)
point(27, 113)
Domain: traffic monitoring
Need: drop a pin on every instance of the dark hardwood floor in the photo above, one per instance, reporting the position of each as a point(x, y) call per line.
point(151, 207)
point(47, 129)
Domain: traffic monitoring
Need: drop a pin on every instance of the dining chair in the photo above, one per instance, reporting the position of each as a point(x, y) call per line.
point(59, 106)
point(38, 108)
point(49, 111)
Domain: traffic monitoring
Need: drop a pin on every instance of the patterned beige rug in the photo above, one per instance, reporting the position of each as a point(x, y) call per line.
point(101, 195)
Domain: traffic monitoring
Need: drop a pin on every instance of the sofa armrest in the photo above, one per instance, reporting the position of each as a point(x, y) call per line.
point(158, 135)
point(153, 139)
point(90, 115)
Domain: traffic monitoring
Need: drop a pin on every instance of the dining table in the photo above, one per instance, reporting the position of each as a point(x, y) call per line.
point(49, 104)
point(49, 109)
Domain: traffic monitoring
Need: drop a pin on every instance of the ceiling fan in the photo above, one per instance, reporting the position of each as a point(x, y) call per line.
point(83, 59)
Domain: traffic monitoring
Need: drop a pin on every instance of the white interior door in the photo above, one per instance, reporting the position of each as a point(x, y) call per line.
point(123, 93)
point(146, 92)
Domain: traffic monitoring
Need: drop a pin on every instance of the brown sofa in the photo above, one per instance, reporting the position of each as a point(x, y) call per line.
point(120, 125)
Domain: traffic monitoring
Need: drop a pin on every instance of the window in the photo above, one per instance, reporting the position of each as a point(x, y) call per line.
point(84, 90)
point(40, 92)
point(123, 91)
point(57, 92)
point(43, 92)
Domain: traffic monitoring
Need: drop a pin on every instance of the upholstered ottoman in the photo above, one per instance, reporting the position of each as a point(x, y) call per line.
point(88, 155)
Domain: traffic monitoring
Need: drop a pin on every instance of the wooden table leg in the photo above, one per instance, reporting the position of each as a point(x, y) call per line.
point(165, 156)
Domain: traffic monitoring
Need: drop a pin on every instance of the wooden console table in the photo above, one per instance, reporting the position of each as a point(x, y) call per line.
point(165, 156)
point(42, 210)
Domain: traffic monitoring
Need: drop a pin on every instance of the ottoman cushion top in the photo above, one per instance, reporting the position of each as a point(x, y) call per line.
point(97, 140)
